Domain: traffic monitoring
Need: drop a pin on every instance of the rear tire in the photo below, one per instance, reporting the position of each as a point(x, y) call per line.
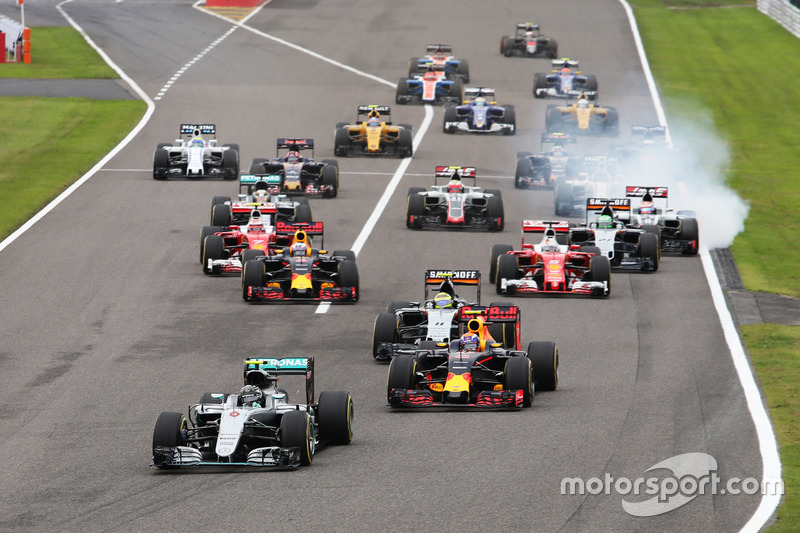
point(415, 208)
point(302, 213)
point(690, 231)
point(495, 211)
point(350, 255)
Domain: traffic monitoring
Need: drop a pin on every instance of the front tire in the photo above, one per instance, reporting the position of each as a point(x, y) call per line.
point(497, 251)
point(507, 268)
point(544, 359)
point(518, 375)
point(402, 374)
point(335, 417)
point(298, 432)
point(383, 330)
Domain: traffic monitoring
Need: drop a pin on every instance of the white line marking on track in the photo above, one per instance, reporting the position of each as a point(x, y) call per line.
point(767, 443)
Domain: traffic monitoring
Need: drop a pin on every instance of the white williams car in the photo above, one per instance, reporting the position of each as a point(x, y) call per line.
point(194, 156)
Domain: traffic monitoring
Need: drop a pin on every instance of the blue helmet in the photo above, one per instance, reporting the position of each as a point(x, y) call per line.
point(469, 342)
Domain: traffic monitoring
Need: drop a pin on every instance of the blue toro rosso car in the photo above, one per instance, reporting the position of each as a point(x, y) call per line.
point(440, 55)
point(479, 114)
point(431, 87)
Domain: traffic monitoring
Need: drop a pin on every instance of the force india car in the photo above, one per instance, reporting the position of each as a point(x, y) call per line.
point(224, 250)
point(528, 42)
point(678, 231)
point(479, 114)
point(373, 134)
point(258, 426)
point(582, 117)
point(406, 325)
point(301, 274)
point(549, 267)
point(440, 55)
point(564, 81)
point(472, 374)
point(294, 174)
point(627, 248)
point(254, 196)
point(455, 205)
point(431, 86)
point(545, 169)
point(195, 157)
point(587, 176)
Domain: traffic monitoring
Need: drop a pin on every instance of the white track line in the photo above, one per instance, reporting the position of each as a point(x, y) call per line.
point(768, 445)
point(124, 142)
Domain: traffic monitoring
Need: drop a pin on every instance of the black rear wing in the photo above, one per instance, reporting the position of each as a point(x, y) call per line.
point(443, 278)
point(203, 129)
point(277, 366)
point(442, 48)
point(455, 173)
point(527, 26)
point(618, 207)
point(558, 139)
point(295, 145)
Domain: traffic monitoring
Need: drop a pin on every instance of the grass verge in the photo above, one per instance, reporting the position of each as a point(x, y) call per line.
point(724, 76)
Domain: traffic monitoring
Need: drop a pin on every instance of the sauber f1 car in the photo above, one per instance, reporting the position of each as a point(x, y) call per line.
point(254, 196)
point(440, 55)
point(528, 42)
point(455, 205)
point(405, 325)
point(295, 174)
point(256, 426)
point(543, 170)
point(547, 266)
point(605, 229)
point(301, 273)
point(582, 117)
point(195, 157)
point(564, 81)
point(431, 86)
point(224, 250)
point(373, 134)
point(480, 114)
point(678, 231)
point(472, 371)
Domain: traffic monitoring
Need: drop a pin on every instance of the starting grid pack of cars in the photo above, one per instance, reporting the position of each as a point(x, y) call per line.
point(448, 349)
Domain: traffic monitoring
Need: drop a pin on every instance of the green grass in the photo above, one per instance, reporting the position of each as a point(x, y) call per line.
point(59, 53)
point(74, 132)
point(703, 65)
point(774, 351)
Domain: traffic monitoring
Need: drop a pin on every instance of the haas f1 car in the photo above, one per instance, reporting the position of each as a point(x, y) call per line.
point(192, 156)
point(678, 231)
point(295, 174)
point(549, 266)
point(472, 371)
point(455, 205)
point(257, 426)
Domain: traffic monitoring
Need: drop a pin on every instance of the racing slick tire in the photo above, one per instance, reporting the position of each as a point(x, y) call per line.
point(591, 85)
point(450, 115)
point(457, 91)
point(414, 191)
point(599, 269)
point(169, 432)
point(510, 117)
point(553, 120)
point(649, 248)
point(544, 359)
point(341, 142)
point(463, 70)
point(505, 333)
point(302, 213)
point(495, 192)
point(405, 143)
point(507, 268)
point(249, 255)
point(213, 248)
point(252, 276)
point(205, 232)
point(401, 93)
point(690, 231)
point(349, 255)
point(348, 276)
point(518, 375)
point(524, 169)
point(332, 162)
point(335, 417)
point(413, 67)
point(655, 230)
point(415, 208)
point(612, 122)
point(330, 178)
point(408, 127)
point(221, 215)
point(383, 330)
point(230, 164)
point(552, 49)
point(496, 213)
point(340, 125)
point(497, 251)
point(393, 306)
point(563, 199)
point(402, 375)
point(160, 162)
point(539, 82)
point(507, 46)
point(257, 166)
point(219, 200)
point(592, 250)
point(297, 431)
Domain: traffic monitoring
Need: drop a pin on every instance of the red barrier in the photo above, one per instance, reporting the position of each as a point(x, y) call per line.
point(3, 47)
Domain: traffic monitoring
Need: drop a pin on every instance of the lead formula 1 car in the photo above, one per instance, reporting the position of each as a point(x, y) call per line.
point(257, 426)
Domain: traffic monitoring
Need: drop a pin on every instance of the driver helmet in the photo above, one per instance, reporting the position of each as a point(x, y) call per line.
point(251, 396)
point(255, 226)
point(647, 208)
point(583, 102)
point(558, 150)
point(299, 249)
point(374, 121)
point(260, 196)
point(605, 222)
point(292, 157)
point(443, 300)
point(455, 186)
point(480, 101)
point(469, 342)
point(197, 141)
point(566, 71)
point(549, 245)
